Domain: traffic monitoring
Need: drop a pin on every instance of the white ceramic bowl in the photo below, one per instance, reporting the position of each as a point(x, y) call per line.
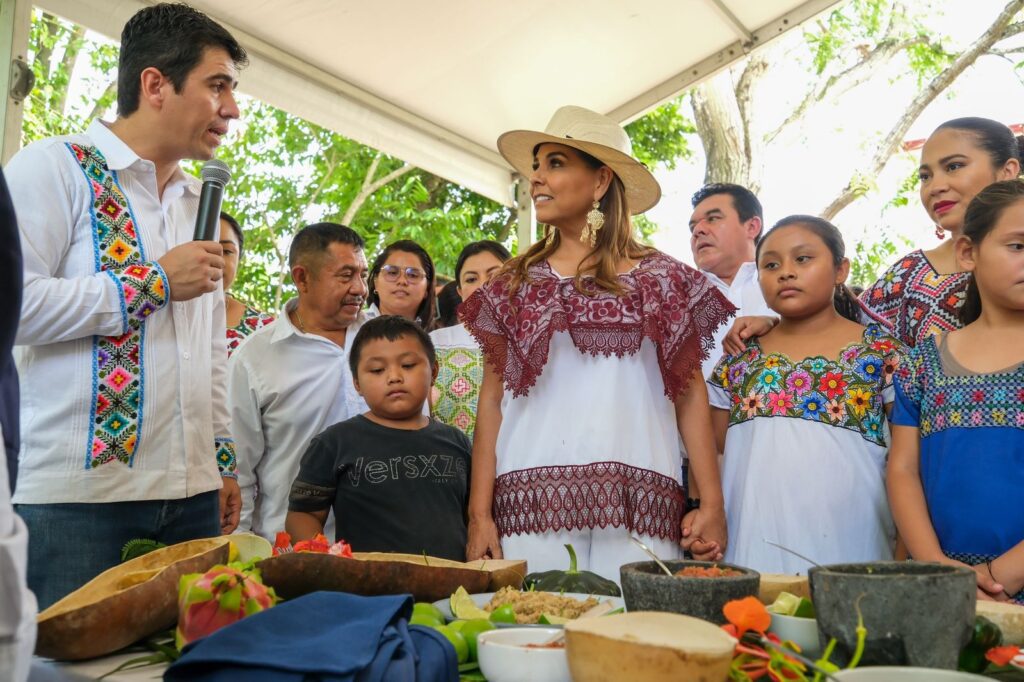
point(801, 631)
point(895, 674)
point(504, 657)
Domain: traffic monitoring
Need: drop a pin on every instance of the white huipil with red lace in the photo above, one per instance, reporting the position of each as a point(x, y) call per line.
point(589, 439)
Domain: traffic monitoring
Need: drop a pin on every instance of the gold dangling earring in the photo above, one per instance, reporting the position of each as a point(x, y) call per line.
point(939, 232)
point(595, 221)
point(549, 241)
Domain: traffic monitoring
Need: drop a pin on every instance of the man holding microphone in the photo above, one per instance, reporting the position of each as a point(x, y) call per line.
point(125, 430)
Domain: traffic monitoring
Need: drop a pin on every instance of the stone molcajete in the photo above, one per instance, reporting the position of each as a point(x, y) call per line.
point(918, 614)
point(645, 587)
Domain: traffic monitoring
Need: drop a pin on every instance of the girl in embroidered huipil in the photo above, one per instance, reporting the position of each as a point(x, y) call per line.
point(956, 470)
point(242, 319)
point(593, 346)
point(800, 414)
point(922, 293)
point(460, 362)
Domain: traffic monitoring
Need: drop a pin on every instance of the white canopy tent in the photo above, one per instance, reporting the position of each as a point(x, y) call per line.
point(434, 83)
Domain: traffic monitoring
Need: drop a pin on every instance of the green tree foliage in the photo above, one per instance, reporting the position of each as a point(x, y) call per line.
point(289, 172)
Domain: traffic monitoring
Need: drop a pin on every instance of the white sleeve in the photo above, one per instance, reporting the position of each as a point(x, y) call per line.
point(56, 308)
point(227, 455)
point(17, 603)
point(719, 397)
point(247, 430)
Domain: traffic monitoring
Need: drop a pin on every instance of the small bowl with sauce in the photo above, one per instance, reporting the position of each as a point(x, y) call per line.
point(516, 654)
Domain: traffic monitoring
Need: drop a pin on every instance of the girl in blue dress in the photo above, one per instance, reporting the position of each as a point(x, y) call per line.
point(956, 468)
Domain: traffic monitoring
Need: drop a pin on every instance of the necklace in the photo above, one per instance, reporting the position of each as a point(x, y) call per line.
point(298, 320)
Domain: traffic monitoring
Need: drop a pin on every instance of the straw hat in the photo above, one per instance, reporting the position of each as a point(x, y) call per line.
point(597, 135)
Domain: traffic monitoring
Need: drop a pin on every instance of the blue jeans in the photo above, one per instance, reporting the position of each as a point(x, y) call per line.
point(69, 544)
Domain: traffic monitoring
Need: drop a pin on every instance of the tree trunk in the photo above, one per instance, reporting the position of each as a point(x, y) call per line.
point(724, 136)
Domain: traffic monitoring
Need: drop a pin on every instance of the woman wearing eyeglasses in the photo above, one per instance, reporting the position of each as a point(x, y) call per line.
point(402, 283)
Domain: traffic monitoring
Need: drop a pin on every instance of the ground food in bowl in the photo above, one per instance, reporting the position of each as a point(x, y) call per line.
point(529, 606)
point(707, 572)
point(560, 644)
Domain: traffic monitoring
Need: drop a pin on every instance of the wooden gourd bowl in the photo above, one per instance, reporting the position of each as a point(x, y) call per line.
point(126, 603)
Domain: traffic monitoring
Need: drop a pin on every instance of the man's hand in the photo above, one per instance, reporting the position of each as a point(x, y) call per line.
point(193, 269)
point(735, 342)
point(230, 505)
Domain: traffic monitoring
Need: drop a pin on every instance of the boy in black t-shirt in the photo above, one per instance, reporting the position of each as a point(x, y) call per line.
point(398, 481)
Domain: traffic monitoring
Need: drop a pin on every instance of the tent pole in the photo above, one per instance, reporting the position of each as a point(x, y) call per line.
point(527, 230)
point(15, 71)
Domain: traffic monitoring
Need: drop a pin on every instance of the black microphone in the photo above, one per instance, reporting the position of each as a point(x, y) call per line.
point(215, 175)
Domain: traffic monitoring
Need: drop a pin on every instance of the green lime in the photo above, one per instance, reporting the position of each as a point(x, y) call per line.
point(463, 607)
point(457, 625)
point(457, 640)
point(470, 630)
point(422, 619)
point(424, 609)
point(785, 604)
point(503, 614)
point(805, 609)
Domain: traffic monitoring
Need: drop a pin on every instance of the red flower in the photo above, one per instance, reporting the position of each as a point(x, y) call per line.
point(1002, 655)
point(978, 396)
point(832, 384)
point(282, 543)
point(747, 614)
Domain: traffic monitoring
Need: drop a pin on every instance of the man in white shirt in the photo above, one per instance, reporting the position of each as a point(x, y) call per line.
point(291, 380)
point(726, 223)
point(123, 364)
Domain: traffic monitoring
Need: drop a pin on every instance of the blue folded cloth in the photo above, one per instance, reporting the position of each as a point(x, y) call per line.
point(328, 636)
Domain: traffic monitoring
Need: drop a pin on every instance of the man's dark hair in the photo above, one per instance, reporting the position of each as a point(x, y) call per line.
point(743, 200)
point(312, 241)
point(392, 328)
point(171, 38)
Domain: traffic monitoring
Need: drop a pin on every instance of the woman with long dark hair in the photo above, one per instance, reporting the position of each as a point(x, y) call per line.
point(402, 283)
point(593, 345)
point(460, 364)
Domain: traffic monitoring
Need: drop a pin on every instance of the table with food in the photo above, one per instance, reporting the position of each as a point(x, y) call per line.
point(236, 603)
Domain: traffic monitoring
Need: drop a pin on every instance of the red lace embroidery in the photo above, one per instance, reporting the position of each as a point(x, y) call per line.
point(588, 496)
point(667, 302)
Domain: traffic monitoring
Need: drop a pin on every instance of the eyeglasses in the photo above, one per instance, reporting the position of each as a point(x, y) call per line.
point(392, 273)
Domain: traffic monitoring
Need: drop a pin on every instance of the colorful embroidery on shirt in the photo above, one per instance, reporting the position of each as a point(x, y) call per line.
point(455, 393)
point(117, 377)
point(227, 464)
point(252, 320)
point(846, 393)
point(960, 401)
point(915, 300)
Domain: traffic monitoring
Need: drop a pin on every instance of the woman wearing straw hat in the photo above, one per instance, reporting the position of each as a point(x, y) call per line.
point(594, 344)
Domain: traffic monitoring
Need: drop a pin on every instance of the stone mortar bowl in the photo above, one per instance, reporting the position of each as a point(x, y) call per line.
point(645, 587)
point(917, 614)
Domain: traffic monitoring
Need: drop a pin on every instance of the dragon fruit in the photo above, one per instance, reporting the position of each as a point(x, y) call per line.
point(221, 596)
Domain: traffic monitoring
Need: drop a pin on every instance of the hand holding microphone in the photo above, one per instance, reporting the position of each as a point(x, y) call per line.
point(194, 268)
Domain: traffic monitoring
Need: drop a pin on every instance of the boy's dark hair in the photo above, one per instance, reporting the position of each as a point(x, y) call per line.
point(994, 137)
point(447, 305)
point(982, 215)
point(311, 242)
point(473, 248)
point(744, 201)
point(392, 328)
point(427, 310)
point(844, 300)
point(171, 38)
point(230, 220)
